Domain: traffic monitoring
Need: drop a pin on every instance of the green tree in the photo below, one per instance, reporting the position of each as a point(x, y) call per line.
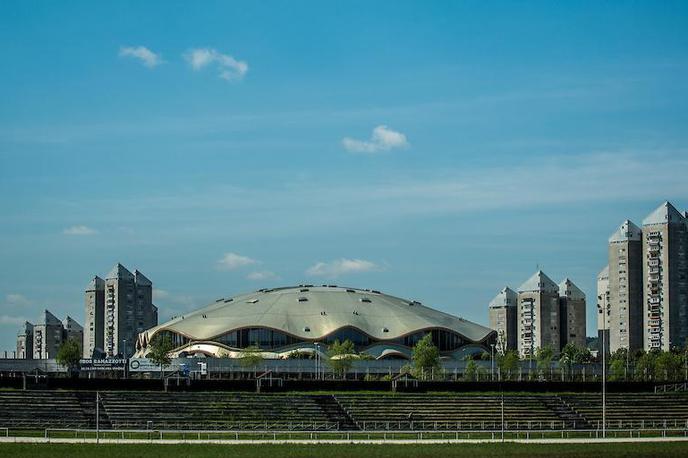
point(573, 354)
point(251, 357)
point(341, 356)
point(159, 353)
point(617, 370)
point(645, 366)
point(667, 367)
point(619, 366)
point(544, 356)
point(426, 357)
point(470, 373)
point(69, 354)
point(508, 364)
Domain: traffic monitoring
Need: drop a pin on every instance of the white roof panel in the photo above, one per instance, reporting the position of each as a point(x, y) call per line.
point(626, 232)
point(569, 289)
point(119, 272)
point(665, 213)
point(506, 297)
point(326, 310)
point(539, 282)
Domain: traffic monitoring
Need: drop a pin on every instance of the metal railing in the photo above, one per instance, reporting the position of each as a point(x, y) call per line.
point(202, 435)
point(424, 425)
point(673, 387)
point(229, 426)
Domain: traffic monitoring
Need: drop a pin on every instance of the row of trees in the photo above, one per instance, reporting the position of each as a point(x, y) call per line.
point(573, 361)
point(654, 365)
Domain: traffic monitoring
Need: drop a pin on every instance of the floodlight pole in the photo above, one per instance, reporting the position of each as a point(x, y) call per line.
point(97, 417)
point(604, 384)
point(604, 311)
point(492, 362)
point(125, 358)
point(317, 361)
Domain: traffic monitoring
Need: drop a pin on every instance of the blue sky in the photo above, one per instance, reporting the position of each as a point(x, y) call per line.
point(433, 150)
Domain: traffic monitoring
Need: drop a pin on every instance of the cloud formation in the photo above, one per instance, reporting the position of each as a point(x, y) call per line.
point(17, 300)
point(227, 66)
point(340, 267)
point(79, 230)
point(167, 297)
point(382, 139)
point(12, 320)
point(262, 275)
point(144, 55)
point(233, 261)
point(160, 294)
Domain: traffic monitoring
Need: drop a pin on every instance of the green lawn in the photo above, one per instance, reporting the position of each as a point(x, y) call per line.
point(353, 451)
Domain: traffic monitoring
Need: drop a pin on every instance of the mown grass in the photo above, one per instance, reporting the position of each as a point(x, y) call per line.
point(612, 450)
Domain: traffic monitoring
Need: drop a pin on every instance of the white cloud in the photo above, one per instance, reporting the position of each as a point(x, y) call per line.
point(233, 261)
point(143, 54)
point(168, 298)
point(333, 204)
point(17, 300)
point(341, 267)
point(79, 230)
point(227, 66)
point(262, 275)
point(382, 139)
point(160, 294)
point(13, 320)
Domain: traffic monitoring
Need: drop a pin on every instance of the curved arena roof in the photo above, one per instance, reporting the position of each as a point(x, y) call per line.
point(310, 313)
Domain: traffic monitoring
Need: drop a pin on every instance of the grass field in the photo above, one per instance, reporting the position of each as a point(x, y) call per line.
point(678, 449)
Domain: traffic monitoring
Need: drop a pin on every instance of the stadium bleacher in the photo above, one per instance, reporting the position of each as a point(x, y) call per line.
point(350, 411)
point(452, 412)
point(221, 411)
point(637, 410)
point(47, 409)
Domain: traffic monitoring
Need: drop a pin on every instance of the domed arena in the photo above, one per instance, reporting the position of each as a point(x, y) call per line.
point(295, 321)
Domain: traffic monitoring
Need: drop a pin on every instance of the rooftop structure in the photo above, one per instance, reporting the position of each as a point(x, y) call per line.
point(503, 311)
point(295, 319)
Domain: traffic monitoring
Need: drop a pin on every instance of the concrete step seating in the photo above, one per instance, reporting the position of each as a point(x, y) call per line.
point(41, 409)
point(215, 411)
point(381, 411)
point(632, 410)
point(450, 411)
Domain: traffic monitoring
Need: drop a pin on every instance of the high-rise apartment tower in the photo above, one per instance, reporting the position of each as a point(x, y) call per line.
point(665, 276)
point(626, 288)
point(503, 311)
point(538, 315)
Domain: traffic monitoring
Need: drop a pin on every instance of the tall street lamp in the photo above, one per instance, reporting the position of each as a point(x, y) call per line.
point(317, 361)
point(492, 361)
point(605, 313)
